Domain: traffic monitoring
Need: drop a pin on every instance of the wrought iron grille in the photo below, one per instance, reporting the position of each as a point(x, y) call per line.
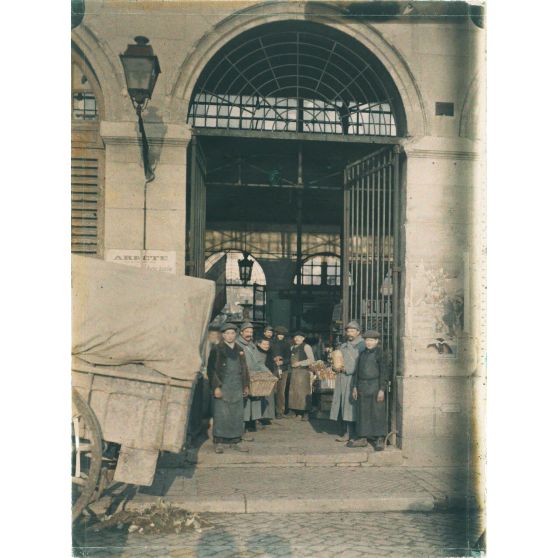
point(296, 77)
point(371, 243)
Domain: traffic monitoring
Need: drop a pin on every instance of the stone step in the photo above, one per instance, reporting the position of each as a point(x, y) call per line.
point(257, 504)
point(266, 457)
point(248, 504)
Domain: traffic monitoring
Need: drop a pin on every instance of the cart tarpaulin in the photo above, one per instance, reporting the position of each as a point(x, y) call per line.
point(123, 315)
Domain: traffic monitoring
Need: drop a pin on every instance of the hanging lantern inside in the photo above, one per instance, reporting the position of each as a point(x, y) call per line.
point(245, 269)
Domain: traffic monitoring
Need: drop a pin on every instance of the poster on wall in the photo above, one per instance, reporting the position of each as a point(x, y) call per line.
point(156, 260)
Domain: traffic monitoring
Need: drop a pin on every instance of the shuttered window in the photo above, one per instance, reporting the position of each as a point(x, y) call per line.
point(86, 179)
point(88, 157)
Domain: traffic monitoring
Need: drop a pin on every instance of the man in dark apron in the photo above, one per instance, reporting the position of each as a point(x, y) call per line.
point(369, 389)
point(300, 391)
point(229, 381)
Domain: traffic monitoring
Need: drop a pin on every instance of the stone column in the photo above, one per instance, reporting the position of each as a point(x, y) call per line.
point(165, 232)
point(439, 358)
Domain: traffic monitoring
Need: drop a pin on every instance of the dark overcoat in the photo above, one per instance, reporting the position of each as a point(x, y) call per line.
point(227, 369)
point(369, 378)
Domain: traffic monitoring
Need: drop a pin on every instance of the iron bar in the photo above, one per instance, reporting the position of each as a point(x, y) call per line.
point(378, 249)
point(297, 136)
point(368, 239)
point(345, 249)
point(395, 282)
point(381, 297)
point(298, 259)
point(353, 244)
point(300, 166)
point(390, 254)
point(358, 247)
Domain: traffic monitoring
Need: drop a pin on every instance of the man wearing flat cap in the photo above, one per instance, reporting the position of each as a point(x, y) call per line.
point(343, 406)
point(369, 389)
point(281, 353)
point(228, 377)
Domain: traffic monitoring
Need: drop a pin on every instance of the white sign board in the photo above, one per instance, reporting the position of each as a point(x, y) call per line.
point(157, 260)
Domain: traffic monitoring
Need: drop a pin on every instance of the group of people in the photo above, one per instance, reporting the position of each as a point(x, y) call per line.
point(359, 395)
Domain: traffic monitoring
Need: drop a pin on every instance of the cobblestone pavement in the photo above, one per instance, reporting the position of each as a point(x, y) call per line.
point(350, 535)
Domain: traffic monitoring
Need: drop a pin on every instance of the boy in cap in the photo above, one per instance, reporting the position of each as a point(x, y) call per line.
point(229, 381)
point(343, 405)
point(281, 353)
point(263, 347)
point(268, 332)
point(369, 389)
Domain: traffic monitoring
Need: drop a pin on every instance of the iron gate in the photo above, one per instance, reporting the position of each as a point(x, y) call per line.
point(196, 209)
point(371, 250)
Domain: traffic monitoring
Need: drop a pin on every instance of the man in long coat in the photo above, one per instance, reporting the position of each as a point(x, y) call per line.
point(343, 406)
point(228, 377)
point(252, 405)
point(369, 390)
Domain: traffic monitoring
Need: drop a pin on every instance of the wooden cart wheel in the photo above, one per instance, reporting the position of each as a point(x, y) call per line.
point(87, 452)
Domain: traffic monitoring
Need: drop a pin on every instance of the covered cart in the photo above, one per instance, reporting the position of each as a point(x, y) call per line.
point(137, 344)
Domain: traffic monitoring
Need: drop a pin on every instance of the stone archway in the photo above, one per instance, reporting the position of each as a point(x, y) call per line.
point(202, 51)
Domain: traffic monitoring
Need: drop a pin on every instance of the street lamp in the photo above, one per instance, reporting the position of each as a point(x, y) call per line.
point(245, 269)
point(141, 68)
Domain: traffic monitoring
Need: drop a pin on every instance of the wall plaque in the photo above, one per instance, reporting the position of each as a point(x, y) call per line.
point(157, 260)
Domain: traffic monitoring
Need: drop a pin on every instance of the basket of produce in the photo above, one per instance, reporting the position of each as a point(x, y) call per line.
point(262, 384)
point(327, 379)
point(317, 367)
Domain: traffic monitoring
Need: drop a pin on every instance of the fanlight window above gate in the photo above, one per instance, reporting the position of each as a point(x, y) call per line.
point(297, 77)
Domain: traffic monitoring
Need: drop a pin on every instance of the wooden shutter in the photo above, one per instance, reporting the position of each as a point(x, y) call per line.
point(86, 201)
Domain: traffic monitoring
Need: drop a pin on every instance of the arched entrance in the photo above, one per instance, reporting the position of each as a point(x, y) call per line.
point(240, 300)
point(297, 77)
point(296, 135)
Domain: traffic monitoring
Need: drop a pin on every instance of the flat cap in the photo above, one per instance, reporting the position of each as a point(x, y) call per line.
point(246, 325)
point(371, 334)
point(214, 327)
point(268, 328)
point(353, 325)
point(226, 326)
point(301, 333)
point(281, 330)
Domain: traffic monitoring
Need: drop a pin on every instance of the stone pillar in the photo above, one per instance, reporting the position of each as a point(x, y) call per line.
point(439, 359)
point(166, 195)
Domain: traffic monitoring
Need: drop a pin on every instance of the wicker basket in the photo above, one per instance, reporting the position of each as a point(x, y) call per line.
point(327, 383)
point(262, 384)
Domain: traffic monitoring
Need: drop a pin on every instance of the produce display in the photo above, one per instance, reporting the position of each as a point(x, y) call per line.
point(324, 374)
